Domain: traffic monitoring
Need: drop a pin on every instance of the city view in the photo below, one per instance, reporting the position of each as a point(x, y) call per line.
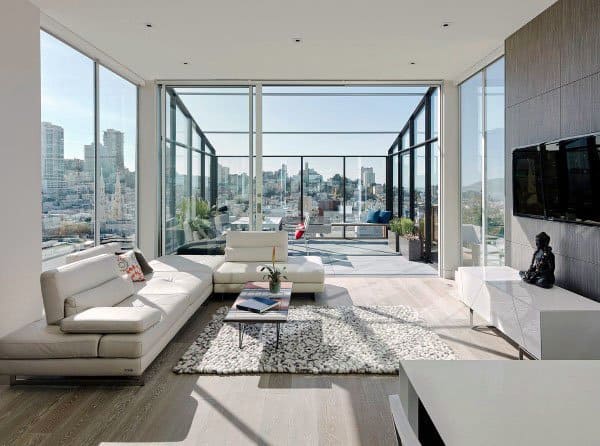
point(70, 201)
point(323, 189)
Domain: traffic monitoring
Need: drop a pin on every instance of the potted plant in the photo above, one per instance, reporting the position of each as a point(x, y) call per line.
point(394, 234)
point(274, 274)
point(410, 243)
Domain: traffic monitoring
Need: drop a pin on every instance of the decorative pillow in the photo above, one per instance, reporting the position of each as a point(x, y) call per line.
point(300, 231)
point(385, 217)
point(129, 265)
point(146, 268)
point(373, 216)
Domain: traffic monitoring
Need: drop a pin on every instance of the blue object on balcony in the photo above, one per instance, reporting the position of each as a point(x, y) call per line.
point(373, 216)
point(385, 217)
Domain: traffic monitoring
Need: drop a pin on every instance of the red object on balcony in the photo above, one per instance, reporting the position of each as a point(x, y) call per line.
point(300, 231)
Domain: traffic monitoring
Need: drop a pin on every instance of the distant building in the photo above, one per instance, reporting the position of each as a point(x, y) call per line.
point(111, 152)
point(53, 158)
point(367, 176)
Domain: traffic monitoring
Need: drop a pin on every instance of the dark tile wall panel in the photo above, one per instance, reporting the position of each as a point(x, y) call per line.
point(552, 96)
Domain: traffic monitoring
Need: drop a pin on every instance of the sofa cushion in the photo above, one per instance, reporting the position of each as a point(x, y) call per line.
point(256, 254)
point(68, 280)
point(111, 320)
point(106, 294)
point(373, 216)
point(108, 248)
point(192, 285)
point(135, 345)
point(301, 269)
point(39, 340)
point(187, 263)
point(385, 217)
point(260, 239)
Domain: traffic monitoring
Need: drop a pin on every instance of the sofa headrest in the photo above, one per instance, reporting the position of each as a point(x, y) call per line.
point(256, 246)
point(109, 248)
point(68, 280)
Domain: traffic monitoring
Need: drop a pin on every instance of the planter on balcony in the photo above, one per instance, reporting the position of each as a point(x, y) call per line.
point(394, 241)
point(411, 248)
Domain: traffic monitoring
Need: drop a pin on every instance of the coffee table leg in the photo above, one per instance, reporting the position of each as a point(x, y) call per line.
point(240, 333)
point(277, 342)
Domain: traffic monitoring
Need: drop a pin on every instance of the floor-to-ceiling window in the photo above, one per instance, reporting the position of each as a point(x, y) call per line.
point(414, 157)
point(323, 153)
point(482, 166)
point(88, 173)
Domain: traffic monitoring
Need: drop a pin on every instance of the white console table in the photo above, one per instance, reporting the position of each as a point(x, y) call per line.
point(499, 403)
point(547, 323)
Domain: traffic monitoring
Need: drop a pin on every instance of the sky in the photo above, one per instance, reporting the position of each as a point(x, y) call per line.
point(68, 99)
point(285, 109)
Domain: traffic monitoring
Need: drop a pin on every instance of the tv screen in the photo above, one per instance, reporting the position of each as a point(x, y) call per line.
point(582, 170)
point(527, 183)
point(552, 166)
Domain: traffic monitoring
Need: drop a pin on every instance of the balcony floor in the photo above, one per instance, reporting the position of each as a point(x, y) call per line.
point(361, 258)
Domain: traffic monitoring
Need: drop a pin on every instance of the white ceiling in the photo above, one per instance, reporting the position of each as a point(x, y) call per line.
point(342, 39)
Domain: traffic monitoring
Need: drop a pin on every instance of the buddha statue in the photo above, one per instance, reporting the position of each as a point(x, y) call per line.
point(541, 270)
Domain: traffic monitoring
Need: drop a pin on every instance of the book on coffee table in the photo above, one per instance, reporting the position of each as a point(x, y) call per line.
point(257, 304)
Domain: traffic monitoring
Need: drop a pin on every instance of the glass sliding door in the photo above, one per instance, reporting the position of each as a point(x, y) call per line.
point(482, 166)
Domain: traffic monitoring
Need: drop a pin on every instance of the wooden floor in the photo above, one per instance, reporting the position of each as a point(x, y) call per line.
point(239, 410)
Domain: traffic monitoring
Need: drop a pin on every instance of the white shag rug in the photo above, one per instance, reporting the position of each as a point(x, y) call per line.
point(320, 340)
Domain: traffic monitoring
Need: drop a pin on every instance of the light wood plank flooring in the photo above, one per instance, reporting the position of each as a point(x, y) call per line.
point(239, 410)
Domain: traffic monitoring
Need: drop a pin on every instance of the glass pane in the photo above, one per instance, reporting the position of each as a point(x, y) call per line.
point(323, 184)
point(116, 210)
point(177, 193)
point(406, 185)
point(406, 139)
point(435, 190)
point(67, 151)
point(435, 113)
point(196, 139)
point(196, 175)
point(344, 108)
point(319, 144)
point(495, 155)
point(420, 127)
point(281, 190)
point(471, 122)
point(217, 109)
point(419, 203)
point(234, 187)
point(365, 187)
point(208, 160)
point(395, 184)
point(182, 124)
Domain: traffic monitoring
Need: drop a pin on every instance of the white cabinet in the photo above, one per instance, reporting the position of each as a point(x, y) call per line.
point(548, 323)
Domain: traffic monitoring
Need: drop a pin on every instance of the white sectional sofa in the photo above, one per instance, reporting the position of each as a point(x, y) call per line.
point(99, 323)
point(246, 252)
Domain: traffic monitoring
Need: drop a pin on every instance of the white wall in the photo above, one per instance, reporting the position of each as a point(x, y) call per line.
point(450, 186)
point(148, 170)
point(20, 170)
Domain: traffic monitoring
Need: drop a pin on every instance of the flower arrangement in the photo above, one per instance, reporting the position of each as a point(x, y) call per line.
point(274, 274)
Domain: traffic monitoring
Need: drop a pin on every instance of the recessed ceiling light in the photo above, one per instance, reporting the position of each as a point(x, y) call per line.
point(297, 39)
point(186, 63)
point(445, 24)
point(148, 25)
point(413, 63)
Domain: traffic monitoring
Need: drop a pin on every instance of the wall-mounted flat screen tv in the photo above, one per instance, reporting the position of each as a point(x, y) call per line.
point(559, 180)
point(527, 183)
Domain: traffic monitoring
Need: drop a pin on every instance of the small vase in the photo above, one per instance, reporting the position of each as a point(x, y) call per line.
point(274, 287)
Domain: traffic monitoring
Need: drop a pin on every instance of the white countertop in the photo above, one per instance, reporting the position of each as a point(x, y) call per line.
point(510, 402)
